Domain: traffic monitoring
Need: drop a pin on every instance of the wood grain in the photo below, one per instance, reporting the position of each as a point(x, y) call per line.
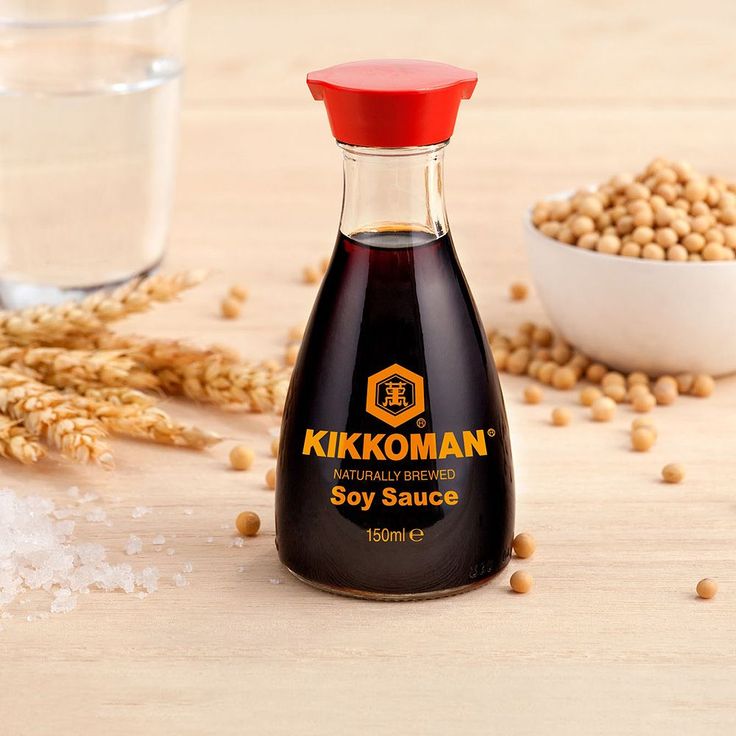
point(528, 52)
point(612, 640)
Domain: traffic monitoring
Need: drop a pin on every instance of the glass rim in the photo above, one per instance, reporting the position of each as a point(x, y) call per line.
point(123, 16)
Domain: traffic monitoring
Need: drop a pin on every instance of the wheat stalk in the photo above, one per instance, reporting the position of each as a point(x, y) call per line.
point(213, 375)
point(78, 369)
point(52, 417)
point(118, 396)
point(17, 443)
point(254, 387)
point(99, 374)
point(51, 325)
point(152, 354)
point(143, 421)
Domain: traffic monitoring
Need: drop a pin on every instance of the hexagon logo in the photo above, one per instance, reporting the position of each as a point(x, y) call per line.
point(395, 395)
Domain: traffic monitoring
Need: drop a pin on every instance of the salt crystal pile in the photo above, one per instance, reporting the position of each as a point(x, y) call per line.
point(36, 552)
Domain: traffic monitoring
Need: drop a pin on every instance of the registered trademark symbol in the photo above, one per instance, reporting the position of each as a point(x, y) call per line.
point(421, 423)
point(491, 432)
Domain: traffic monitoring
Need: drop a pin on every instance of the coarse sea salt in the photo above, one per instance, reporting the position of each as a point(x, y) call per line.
point(134, 545)
point(96, 515)
point(37, 553)
point(140, 511)
point(66, 513)
point(64, 601)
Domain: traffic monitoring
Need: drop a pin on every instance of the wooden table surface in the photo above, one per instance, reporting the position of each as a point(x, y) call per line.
point(612, 640)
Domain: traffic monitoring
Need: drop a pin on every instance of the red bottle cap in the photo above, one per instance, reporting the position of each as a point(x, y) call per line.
point(392, 103)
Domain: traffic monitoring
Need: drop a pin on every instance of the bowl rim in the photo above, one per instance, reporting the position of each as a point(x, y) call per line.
point(585, 253)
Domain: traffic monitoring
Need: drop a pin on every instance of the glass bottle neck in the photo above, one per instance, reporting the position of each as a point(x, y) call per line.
point(393, 189)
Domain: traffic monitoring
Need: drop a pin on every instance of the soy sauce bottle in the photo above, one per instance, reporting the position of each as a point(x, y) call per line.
point(394, 477)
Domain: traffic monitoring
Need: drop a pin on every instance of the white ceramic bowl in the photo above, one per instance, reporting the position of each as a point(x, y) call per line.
point(637, 314)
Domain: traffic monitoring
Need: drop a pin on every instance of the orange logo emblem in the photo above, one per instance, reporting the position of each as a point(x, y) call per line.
point(395, 395)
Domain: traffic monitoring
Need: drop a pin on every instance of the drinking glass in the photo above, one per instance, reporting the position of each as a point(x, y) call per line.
point(89, 104)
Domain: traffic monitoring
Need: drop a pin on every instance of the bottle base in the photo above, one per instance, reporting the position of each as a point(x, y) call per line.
point(19, 294)
point(398, 597)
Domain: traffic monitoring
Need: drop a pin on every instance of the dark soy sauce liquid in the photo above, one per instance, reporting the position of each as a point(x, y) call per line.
point(396, 297)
